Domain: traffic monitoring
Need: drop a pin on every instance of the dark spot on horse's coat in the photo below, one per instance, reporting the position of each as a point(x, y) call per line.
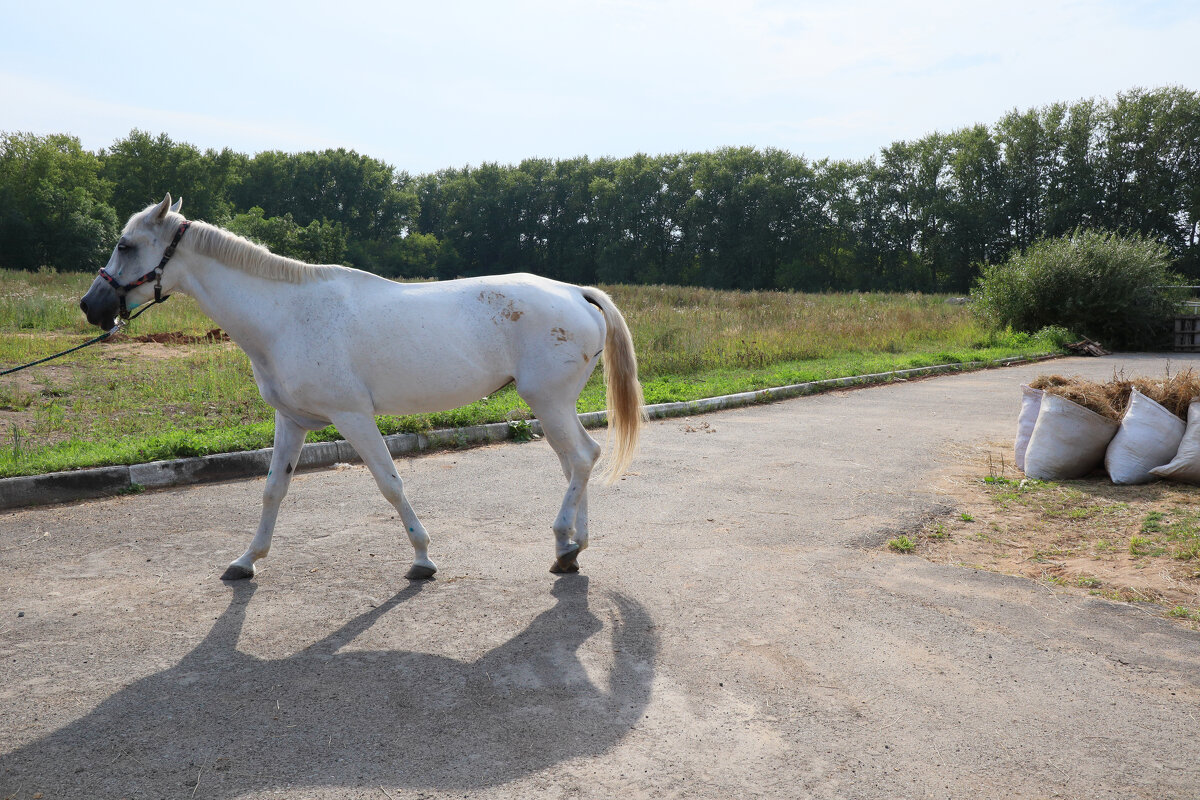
point(561, 334)
point(509, 310)
point(289, 469)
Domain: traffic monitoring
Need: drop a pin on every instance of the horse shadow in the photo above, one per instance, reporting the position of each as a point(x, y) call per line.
point(222, 723)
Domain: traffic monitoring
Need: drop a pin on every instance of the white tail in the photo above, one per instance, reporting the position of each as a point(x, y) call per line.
point(623, 392)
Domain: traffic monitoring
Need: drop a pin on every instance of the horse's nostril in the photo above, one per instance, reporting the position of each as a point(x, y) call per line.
point(83, 306)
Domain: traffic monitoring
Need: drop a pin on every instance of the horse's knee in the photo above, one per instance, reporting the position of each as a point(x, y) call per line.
point(273, 495)
point(393, 490)
point(564, 528)
point(418, 537)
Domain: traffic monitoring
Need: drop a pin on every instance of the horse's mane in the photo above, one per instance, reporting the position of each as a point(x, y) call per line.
point(254, 259)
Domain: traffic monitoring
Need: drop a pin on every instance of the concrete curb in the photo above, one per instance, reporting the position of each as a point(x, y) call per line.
point(65, 487)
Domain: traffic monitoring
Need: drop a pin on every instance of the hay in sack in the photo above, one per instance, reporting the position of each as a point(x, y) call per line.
point(1068, 440)
point(1150, 412)
point(1149, 437)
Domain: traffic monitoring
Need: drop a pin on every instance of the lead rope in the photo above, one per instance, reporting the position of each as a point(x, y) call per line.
point(159, 297)
point(115, 328)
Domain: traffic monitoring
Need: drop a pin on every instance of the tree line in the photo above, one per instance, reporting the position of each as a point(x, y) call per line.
point(920, 215)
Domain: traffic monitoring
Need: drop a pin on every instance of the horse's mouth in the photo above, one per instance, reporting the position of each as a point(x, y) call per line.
point(100, 305)
point(104, 320)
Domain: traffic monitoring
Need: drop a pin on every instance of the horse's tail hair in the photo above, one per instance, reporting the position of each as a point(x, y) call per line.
point(623, 392)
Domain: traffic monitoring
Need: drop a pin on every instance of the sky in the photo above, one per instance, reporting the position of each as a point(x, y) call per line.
point(425, 86)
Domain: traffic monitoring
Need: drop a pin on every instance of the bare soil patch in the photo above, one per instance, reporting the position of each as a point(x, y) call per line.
point(1137, 544)
point(171, 337)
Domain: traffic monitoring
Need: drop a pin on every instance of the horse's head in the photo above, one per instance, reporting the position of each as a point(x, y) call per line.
point(131, 271)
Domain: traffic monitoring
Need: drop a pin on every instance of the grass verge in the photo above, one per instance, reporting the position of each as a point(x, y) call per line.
point(125, 402)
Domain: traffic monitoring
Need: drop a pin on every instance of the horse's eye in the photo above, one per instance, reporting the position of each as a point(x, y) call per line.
point(123, 246)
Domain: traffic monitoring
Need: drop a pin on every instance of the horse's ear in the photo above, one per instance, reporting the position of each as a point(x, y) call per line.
point(160, 211)
point(175, 206)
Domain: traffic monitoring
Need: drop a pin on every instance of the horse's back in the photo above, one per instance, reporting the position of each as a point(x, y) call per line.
point(437, 345)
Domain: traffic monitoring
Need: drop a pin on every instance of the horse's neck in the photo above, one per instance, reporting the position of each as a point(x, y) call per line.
point(247, 307)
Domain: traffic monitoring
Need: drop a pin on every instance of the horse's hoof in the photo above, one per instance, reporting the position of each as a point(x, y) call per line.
point(567, 562)
point(237, 572)
point(420, 573)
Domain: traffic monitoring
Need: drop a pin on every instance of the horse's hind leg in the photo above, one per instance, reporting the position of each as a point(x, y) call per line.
point(361, 431)
point(289, 440)
point(581, 512)
point(578, 453)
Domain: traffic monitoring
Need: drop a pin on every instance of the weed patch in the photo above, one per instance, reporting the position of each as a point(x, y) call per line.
point(1135, 544)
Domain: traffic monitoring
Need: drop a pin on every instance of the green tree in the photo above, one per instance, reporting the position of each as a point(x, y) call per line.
point(977, 225)
point(1151, 166)
point(315, 243)
point(142, 168)
point(53, 209)
point(364, 195)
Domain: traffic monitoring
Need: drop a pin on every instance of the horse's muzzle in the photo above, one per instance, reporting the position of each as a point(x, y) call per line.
point(100, 304)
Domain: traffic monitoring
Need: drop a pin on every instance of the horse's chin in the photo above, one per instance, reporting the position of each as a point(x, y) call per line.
point(106, 323)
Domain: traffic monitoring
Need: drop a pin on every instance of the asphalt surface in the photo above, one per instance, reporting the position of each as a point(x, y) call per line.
point(737, 630)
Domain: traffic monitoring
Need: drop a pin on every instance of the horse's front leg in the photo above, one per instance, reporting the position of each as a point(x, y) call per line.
point(289, 440)
point(363, 433)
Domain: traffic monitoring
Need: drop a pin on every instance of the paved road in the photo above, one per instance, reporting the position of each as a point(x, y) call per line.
point(736, 631)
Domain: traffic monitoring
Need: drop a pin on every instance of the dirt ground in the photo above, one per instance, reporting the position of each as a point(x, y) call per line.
point(739, 629)
point(1087, 536)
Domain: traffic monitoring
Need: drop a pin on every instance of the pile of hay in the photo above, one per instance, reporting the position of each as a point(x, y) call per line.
point(1111, 399)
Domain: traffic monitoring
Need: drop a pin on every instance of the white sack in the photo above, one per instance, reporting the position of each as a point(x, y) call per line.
point(1031, 401)
point(1149, 437)
point(1185, 466)
point(1068, 440)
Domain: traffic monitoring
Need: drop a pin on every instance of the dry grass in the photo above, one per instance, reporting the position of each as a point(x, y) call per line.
point(1174, 392)
point(683, 330)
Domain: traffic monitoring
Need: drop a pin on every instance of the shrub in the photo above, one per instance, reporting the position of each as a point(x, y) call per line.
point(1100, 285)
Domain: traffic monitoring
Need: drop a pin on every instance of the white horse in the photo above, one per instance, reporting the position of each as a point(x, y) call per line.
point(330, 344)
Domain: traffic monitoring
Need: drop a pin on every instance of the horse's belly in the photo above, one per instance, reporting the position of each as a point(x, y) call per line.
point(418, 394)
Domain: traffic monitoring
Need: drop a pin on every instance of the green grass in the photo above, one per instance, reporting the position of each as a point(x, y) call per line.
point(1175, 531)
point(691, 343)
